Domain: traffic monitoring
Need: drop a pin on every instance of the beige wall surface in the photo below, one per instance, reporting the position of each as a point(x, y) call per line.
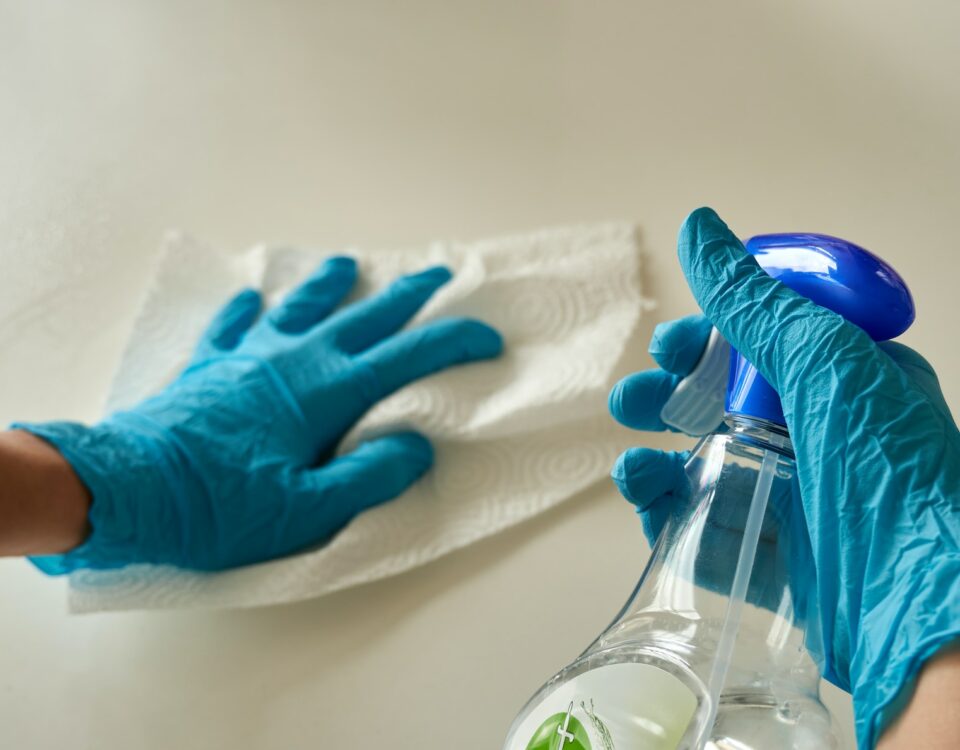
point(386, 124)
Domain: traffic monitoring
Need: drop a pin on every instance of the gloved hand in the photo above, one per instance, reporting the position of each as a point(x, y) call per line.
point(233, 462)
point(878, 460)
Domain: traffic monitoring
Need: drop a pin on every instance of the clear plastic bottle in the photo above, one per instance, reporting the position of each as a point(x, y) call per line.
point(643, 684)
point(715, 647)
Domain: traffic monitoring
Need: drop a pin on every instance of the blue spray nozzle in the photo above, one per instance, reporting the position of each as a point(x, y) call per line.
point(836, 274)
point(832, 272)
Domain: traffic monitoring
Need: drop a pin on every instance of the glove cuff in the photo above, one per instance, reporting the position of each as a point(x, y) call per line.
point(128, 473)
point(919, 622)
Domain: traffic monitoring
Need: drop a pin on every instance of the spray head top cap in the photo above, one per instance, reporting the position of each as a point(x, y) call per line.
point(834, 273)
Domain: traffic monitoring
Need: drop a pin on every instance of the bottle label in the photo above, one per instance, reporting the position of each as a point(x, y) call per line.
point(625, 706)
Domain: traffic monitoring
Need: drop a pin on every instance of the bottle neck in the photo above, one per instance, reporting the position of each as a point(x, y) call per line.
point(761, 433)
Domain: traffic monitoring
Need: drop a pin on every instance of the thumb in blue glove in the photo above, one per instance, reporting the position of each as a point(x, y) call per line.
point(878, 457)
point(233, 463)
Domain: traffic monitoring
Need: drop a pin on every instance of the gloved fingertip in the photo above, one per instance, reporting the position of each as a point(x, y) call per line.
point(340, 263)
point(645, 474)
point(615, 401)
point(377, 470)
point(243, 304)
point(636, 401)
point(340, 268)
point(434, 276)
point(626, 407)
point(235, 318)
point(619, 476)
point(677, 345)
point(720, 273)
point(414, 448)
point(702, 225)
point(249, 297)
point(455, 341)
point(483, 341)
point(646, 493)
point(703, 229)
point(626, 468)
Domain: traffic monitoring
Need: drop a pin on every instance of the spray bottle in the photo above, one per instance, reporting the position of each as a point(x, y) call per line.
point(717, 645)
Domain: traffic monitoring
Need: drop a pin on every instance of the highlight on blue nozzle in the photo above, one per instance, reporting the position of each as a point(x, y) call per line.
point(841, 276)
point(834, 273)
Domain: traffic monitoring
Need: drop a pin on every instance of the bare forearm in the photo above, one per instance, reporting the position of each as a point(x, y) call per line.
point(43, 505)
point(931, 719)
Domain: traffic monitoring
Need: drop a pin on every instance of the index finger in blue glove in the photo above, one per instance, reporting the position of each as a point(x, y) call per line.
point(637, 400)
point(414, 354)
point(316, 297)
point(364, 323)
point(232, 321)
point(324, 500)
point(781, 332)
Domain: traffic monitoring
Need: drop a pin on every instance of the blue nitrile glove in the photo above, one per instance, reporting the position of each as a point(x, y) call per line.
point(878, 459)
point(233, 463)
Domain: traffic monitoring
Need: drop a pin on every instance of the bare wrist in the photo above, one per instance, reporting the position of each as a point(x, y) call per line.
point(43, 504)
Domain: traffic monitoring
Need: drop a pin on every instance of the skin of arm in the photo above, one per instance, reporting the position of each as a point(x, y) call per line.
point(43, 504)
point(931, 719)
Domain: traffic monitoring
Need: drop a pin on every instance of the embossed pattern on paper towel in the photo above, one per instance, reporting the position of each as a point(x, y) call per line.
point(513, 437)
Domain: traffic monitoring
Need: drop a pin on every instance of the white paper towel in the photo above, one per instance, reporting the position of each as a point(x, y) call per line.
point(513, 437)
